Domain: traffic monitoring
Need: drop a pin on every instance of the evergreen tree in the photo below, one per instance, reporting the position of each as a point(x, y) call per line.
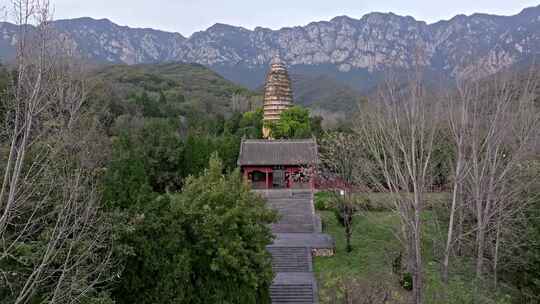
point(205, 245)
point(251, 124)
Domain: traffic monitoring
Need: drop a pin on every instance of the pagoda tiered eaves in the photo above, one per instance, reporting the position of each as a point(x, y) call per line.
point(278, 95)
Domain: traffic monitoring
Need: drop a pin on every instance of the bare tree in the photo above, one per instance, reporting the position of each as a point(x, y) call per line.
point(242, 103)
point(343, 169)
point(457, 107)
point(503, 127)
point(399, 130)
point(54, 240)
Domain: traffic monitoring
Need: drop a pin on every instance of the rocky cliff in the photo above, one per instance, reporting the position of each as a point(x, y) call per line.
point(463, 46)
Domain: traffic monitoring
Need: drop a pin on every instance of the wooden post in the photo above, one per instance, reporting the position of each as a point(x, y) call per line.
point(267, 180)
point(246, 175)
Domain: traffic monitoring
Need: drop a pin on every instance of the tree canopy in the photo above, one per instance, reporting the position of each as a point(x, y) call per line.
point(204, 245)
point(293, 123)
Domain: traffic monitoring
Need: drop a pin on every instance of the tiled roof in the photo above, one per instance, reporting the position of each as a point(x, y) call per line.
point(278, 152)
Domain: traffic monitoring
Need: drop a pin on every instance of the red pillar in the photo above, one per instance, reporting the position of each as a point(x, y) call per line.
point(315, 180)
point(290, 180)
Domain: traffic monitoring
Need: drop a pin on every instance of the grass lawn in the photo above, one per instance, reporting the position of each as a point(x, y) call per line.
point(365, 275)
point(373, 243)
point(350, 275)
point(383, 201)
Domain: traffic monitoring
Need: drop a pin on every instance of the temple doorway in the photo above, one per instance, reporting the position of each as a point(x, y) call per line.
point(258, 180)
point(279, 180)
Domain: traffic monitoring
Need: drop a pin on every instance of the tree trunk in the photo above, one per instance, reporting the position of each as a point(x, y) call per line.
point(480, 247)
point(348, 227)
point(449, 237)
point(496, 255)
point(348, 236)
point(446, 259)
point(418, 282)
point(460, 227)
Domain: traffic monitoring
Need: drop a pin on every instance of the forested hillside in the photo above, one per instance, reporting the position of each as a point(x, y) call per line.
point(175, 89)
point(325, 93)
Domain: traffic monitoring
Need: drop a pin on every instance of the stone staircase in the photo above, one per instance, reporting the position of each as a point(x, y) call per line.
point(294, 283)
point(292, 294)
point(294, 288)
point(290, 259)
point(296, 215)
point(297, 234)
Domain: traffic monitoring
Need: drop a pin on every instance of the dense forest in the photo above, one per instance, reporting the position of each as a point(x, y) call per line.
point(120, 185)
point(133, 163)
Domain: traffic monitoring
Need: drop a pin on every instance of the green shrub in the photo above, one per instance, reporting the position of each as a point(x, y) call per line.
point(323, 204)
point(407, 281)
point(323, 201)
point(320, 205)
point(362, 202)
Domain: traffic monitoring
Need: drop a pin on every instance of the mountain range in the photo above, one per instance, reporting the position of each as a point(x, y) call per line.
point(355, 53)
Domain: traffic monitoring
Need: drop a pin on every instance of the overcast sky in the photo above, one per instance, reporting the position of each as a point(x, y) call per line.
point(188, 16)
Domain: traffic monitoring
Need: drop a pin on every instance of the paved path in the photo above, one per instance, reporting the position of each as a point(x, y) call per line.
point(297, 235)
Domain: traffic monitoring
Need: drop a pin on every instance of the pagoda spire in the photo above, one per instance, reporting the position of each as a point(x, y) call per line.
point(278, 95)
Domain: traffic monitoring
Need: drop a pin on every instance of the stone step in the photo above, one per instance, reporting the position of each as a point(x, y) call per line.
point(292, 208)
point(290, 199)
point(290, 259)
point(293, 212)
point(289, 294)
point(284, 193)
point(297, 195)
point(295, 209)
point(309, 240)
point(291, 204)
point(295, 218)
point(293, 223)
point(292, 228)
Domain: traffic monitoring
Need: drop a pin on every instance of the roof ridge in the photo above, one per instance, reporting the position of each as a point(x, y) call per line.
point(278, 152)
